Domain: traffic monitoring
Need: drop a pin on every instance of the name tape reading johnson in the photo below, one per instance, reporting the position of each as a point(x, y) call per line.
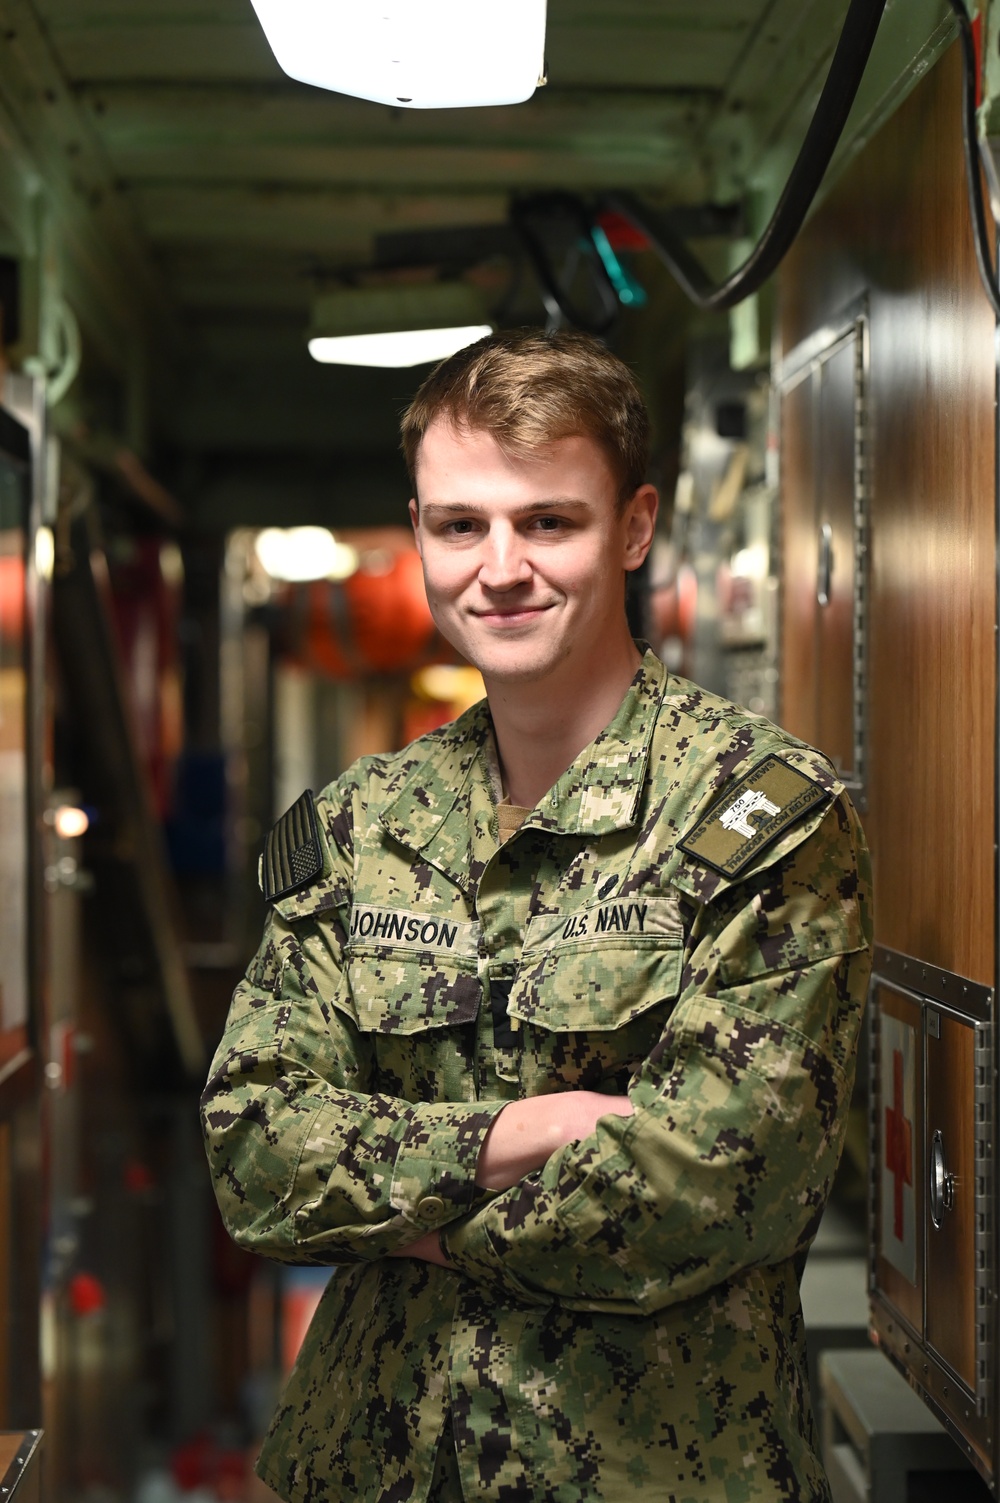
point(413, 931)
point(752, 814)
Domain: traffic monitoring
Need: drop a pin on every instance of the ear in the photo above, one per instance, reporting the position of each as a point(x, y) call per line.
point(640, 525)
point(415, 522)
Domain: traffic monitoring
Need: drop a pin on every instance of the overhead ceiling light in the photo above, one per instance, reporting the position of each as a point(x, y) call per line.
point(396, 326)
point(422, 54)
point(404, 347)
point(294, 554)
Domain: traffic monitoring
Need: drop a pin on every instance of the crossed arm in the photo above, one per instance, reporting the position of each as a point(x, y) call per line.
point(718, 1157)
point(521, 1139)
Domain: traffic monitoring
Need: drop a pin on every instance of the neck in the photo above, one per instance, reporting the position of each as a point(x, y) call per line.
point(542, 727)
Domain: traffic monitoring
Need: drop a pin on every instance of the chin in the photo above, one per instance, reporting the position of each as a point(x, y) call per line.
point(524, 669)
point(519, 660)
point(521, 673)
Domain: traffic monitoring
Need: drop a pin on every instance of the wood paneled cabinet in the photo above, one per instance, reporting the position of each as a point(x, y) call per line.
point(885, 389)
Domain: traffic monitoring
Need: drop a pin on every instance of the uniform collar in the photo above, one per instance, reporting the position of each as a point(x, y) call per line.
point(600, 792)
point(429, 803)
point(429, 807)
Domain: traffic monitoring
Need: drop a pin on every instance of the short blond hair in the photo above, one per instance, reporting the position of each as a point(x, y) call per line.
point(527, 388)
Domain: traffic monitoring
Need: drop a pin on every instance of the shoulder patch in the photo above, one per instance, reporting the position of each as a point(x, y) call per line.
point(750, 815)
point(293, 855)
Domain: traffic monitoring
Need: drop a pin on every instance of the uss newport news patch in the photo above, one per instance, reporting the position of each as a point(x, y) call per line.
point(752, 814)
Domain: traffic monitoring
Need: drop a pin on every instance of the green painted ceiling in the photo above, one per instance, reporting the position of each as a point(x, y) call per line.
point(199, 184)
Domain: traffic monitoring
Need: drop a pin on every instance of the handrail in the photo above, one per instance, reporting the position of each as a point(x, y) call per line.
point(20, 1451)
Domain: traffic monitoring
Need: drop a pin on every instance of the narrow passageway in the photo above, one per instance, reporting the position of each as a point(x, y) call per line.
point(230, 253)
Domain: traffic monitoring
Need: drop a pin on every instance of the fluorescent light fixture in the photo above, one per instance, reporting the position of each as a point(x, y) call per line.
point(403, 347)
point(295, 554)
point(396, 326)
point(421, 54)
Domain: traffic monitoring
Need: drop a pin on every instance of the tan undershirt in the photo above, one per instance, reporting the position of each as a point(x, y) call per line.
point(510, 818)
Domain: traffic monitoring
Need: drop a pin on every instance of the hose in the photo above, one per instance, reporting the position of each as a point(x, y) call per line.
point(970, 140)
point(570, 209)
point(842, 82)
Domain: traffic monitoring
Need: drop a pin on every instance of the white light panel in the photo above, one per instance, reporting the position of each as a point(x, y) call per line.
point(399, 348)
point(301, 553)
point(420, 54)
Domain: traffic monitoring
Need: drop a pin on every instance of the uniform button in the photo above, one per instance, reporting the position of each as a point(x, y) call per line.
point(430, 1206)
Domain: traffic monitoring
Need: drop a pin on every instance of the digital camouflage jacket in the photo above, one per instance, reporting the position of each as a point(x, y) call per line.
point(686, 916)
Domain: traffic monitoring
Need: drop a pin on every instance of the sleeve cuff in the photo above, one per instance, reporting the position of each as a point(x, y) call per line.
point(434, 1177)
point(470, 1250)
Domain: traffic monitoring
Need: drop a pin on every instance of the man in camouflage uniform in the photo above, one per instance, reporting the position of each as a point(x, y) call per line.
point(550, 1040)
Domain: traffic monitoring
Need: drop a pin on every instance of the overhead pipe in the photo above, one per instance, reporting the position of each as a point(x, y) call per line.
point(839, 92)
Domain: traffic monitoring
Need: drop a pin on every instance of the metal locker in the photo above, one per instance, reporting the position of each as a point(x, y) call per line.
point(931, 1189)
point(822, 386)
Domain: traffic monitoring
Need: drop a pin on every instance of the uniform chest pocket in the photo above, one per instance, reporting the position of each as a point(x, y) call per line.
point(410, 972)
point(415, 1005)
point(600, 968)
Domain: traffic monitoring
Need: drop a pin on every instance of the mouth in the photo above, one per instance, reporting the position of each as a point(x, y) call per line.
point(508, 617)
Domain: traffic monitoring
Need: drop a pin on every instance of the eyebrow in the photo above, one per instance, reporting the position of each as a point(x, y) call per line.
point(467, 508)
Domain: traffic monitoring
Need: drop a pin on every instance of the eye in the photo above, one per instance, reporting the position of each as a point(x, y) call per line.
point(550, 524)
point(461, 527)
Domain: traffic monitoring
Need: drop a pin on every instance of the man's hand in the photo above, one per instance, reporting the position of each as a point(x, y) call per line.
point(520, 1139)
point(526, 1133)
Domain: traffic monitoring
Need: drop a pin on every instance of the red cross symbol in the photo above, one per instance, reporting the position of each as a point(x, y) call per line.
point(898, 1145)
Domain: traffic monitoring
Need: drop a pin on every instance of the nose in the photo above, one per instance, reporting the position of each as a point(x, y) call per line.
point(504, 563)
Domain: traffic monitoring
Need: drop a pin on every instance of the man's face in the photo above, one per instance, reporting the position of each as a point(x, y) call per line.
point(524, 558)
